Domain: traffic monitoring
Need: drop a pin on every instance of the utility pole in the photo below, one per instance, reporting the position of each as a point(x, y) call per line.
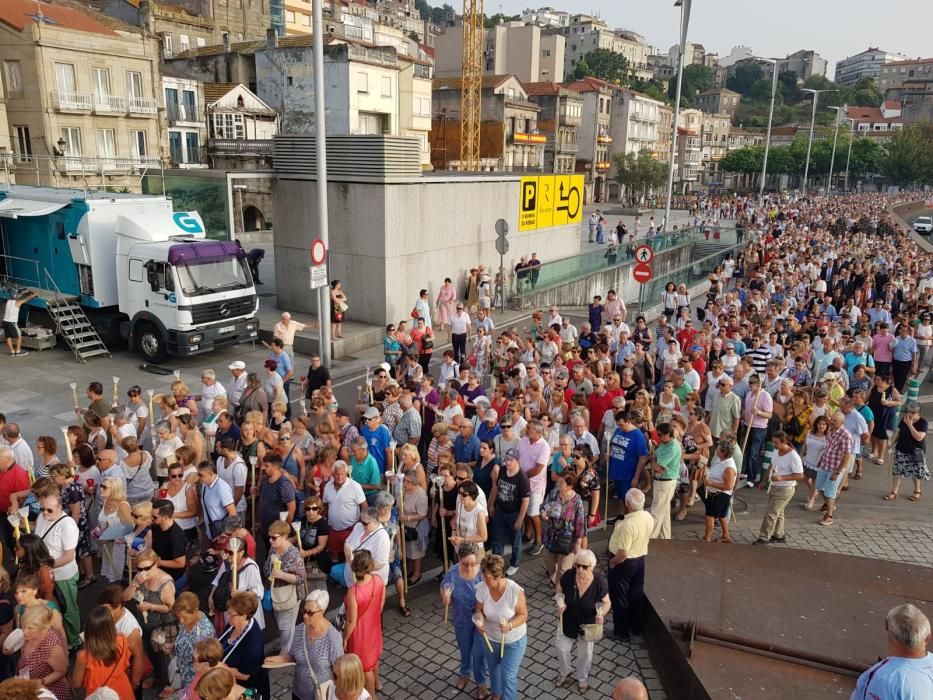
point(816, 98)
point(684, 6)
point(323, 294)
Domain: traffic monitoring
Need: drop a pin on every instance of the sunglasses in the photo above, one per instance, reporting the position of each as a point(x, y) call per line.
point(582, 566)
point(145, 568)
point(46, 510)
point(273, 538)
point(312, 509)
point(174, 476)
point(310, 613)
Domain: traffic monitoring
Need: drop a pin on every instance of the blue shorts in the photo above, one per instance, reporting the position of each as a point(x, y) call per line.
point(825, 483)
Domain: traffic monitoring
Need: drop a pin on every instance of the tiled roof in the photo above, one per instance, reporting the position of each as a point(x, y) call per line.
point(18, 14)
point(542, 88)
point(892, 104)
point(590, 84)
point(215, 91)
point(908, 62)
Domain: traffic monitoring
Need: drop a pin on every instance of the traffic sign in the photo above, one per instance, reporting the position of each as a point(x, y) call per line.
point(642, 273)
point(644, 254)
point(502, 228)
point(502, 246)
point(318, 251)
point(318, 276)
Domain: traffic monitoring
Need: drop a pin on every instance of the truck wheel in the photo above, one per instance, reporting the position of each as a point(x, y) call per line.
point(150, 343)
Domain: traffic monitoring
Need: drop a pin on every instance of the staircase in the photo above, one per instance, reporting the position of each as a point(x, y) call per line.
point(72, 323)
point(703, 249)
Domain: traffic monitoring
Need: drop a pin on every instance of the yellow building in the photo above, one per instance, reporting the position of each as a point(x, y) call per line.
point(81, 96)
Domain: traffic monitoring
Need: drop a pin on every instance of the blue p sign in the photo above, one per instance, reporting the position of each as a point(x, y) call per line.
point(187, 223)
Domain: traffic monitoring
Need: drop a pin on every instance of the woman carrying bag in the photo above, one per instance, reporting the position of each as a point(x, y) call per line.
point(286, 573)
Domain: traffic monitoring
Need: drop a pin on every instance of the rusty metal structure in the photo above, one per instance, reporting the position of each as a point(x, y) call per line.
point(472, 85)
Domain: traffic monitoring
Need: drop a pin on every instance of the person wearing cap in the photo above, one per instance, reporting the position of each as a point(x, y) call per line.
point(727, 409)
point(910, 459)
point(489, 428)
point(508, 504)
point(377, 437)
point(237, 384)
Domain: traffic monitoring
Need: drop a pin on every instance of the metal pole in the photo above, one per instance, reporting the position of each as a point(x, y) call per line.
point(806, 167)
point(832, 159)
point(501, 285)
point(684, 22)
point(764, 164)
point(849, 157)
point(323, 294)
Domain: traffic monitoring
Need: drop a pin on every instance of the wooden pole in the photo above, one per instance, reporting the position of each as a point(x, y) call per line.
point(606, 491)
point(440, 498)
point(253, 489)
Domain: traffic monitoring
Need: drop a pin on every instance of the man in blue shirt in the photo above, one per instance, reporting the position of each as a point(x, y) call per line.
point(906, 673)
point(377, 436)
point(628, 452)
point(285, 368)
point(878, 314)
point(857, 356)
point(904, 353)
point(216, 499)
point(466, 446)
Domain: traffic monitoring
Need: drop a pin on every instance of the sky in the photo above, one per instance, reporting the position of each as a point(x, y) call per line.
point(834, 29)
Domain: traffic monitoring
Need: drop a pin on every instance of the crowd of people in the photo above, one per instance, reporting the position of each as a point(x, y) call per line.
point(203, 515)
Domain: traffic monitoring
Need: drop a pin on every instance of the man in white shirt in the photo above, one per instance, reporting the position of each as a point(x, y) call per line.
point(345, 503)
point(579, 435)
point(285, 331)
point(568, 332)
point(237, 384)
point(11, 322)
point(459, 330)
point(22, 452)
point(210, 390)
point(786, 470)
point(232, 469)
point(60, 533)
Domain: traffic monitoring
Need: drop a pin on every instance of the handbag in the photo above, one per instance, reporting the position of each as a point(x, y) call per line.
point(414, 314)
point(592, 632)
point(411, 533)
point(427, 343)
point(561, 544)
point(285, 597)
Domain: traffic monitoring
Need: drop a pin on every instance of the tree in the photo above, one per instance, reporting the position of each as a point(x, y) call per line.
point(605, 65)
point(787, 87)
point(638, 173)
point(761, 91)
point(498, 18)
point(652, 88)
point(697, 78)
point(743, 160)
point(819, 82)
point(745, 76)
point(907, 156)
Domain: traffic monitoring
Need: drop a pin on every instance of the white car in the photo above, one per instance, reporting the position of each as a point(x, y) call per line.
point(923, 224)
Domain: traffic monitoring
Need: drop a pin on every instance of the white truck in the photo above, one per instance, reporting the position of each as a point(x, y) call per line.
point(138, 270)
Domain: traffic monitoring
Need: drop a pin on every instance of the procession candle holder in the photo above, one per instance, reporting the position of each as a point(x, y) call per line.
point(74, 392)
point(150, 393)
point(24, 516)
point(448, 592)
point(13, 519)
point(158, 638)
point(400, 478)
point(502, 621)
point(129, 559)
point(479, 622)
point(296, 526)
point(254, 487)
point(116, 394)
point(304, 406)
point(177, 374)
point(235, 544)
point(67, 443)
point(559, 600)
point(606, 491)
point(283, 515)
point(139, 598)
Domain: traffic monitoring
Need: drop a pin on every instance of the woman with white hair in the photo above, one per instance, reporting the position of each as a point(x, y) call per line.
point(315, 648)
point(582, 600)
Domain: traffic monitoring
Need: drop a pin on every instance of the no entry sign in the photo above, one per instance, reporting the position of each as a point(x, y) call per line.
point(642, 273)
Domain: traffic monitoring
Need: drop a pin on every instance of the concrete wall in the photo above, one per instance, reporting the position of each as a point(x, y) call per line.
point(552, 65)
point(387, 241)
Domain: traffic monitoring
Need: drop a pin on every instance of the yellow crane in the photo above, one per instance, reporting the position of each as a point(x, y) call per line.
point(471, 89)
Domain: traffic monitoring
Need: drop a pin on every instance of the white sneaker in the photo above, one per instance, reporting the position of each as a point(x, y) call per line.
point(511, 571)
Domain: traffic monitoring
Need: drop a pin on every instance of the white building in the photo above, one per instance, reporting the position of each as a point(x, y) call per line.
point(866, 64)
point(896, 73)
point(635, 121)
point(240, 126)
point(546, 17)
point(585, 34)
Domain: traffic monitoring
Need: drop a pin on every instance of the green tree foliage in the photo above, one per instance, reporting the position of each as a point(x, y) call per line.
point(745, 76)
point(697, 79)
point(498, 18)
point(638, 173)
point(788, 91)
point(437, 15)
point(605, 65)
point(652, 88)
point(907, 157)
point(743, 160)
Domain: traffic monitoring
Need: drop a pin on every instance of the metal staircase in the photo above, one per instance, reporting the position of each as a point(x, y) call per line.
point(72, 323)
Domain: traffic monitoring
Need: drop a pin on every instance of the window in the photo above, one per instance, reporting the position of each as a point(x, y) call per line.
point(229, 126)
point(386, 86)
point(71, 135)
point(134, 84)
point(65, 78)
point(183, 42)
point(100, 82)
point(106, 143)
point(192, 147)
point(23, 144)
point(289, 16)
point(362, 82)
point(423, 106)
point(13, 75)
point(135, 270)
point(305, 20)
point(167, 44)
point(189, 101)
point(175, 152)
point(138, 144)
point(201, 42)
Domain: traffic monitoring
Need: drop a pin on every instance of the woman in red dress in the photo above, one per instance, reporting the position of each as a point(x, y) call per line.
point(44, 657)
point(362, 632)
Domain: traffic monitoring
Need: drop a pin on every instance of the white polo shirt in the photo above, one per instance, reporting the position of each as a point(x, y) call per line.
point(59, 536)
point(234, 475)
point(343, 504)
point(785, 465)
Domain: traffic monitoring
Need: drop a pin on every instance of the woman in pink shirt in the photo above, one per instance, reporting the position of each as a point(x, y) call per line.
point(881, 350)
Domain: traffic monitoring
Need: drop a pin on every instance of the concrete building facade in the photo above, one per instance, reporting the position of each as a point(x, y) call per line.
point(689, 150)
point(586, 33)
point(635, 121)
point(594, 135)
point(185, 135)
point(718, 101)
point(85, 106)
point(560, 117)
point(896, 73)
point(866, 64)
point(714, 145)
point(240, 127)
point(804, 63)
point(546, 17)
point(665, 132)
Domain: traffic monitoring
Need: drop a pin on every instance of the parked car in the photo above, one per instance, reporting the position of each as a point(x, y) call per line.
point(923, 225)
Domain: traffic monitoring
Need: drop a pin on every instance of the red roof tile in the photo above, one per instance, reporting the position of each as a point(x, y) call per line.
point(892, 104)
point(909, 62)
point(18, 14)
point(542, 88)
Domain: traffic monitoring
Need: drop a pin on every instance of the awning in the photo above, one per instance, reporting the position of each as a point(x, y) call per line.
point(14, 207)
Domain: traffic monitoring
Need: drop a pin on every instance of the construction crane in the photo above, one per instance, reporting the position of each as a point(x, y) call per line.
point(471, 88)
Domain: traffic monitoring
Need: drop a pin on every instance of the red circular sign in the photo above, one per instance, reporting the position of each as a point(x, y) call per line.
point(642, 273)
point(644, 254)
point(318, 252)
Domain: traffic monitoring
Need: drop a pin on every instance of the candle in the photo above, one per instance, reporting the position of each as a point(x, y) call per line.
point(74, 392)
point(67, 442)
point(116, 395)
point(448, 592)
point(296, 526)
point(151, 393)
point(24, 516)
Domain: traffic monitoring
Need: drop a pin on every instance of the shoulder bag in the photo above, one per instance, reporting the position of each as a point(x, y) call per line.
point(320, 689)
point(285, 597)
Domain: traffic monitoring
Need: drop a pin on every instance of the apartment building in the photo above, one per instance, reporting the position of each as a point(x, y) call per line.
point(240, 127)
point(546, 17)
point(898, 72)
point(585, 33)
point(689, 150)
point(635, 121)
point(665, 132)
point(511, 48)
point(561, 115)
point(804, 63)
point(875, 121)
point(714, 144)
point(718, 101)
point(185, 119)
point(866, 64)
point(82, 97)
point(510, 138)
point(6, 152)
point(369, 89)
point(594, 135)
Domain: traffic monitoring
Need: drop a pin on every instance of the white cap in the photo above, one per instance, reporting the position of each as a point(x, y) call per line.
point(236, 364)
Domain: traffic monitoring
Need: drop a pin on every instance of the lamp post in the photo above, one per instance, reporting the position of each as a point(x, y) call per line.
point(684, 6)
point(816, 98)
point(320, 131)
point(849, 157)
point(764, 164)
point(832, 159)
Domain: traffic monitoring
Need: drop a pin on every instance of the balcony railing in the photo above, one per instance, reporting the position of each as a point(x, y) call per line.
point(78, 165)
point(531, 139)
point(604, 139)
point(240, 147)
point(181, 112)
point(67, 101)
point(143, 105)
point(565, 147)
point(374, 56)
point(109, 104)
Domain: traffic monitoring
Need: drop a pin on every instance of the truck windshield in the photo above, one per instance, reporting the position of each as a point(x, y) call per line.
point(209, 277)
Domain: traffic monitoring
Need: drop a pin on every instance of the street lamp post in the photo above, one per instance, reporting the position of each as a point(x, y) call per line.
point(684, 6)
point(832, 160)
point(816, 98)
point(764, 164)
point(849, 157)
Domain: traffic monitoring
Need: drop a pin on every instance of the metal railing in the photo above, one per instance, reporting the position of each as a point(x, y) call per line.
point(68, 101)
point(85, 172)
point(142, 105)
point(260, 147)
point(109, 104)
point(10, 280)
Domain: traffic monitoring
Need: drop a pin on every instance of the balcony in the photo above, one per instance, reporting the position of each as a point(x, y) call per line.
point(602, 165)
point(372, 56)
point(109, 104)
point(143, 106)
point(604, 138)
point(569, 148)
point(67, 101)
point(181, 112)
point(240, 147)
point(86, 165)
point(531, 139)
point(568, 119)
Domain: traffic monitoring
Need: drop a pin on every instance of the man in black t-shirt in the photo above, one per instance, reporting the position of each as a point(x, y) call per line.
point(169, 542)
point(317, 376)
point(508, 503)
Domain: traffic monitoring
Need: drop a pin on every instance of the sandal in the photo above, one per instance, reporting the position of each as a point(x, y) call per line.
point(482, 693)
point(405, 611)
point(414, 581)
point(827, 520)
point(725, 540)
point(462, 683)
point(809, 505)
point(890, 497)
point(916, 496)
point(680, 515)
point(857, 475)
point(84, 583)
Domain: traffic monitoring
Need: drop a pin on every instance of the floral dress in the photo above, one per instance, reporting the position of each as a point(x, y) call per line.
point(73, 493)
point(587, 485)
point(292, 563)
point(184, 647)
